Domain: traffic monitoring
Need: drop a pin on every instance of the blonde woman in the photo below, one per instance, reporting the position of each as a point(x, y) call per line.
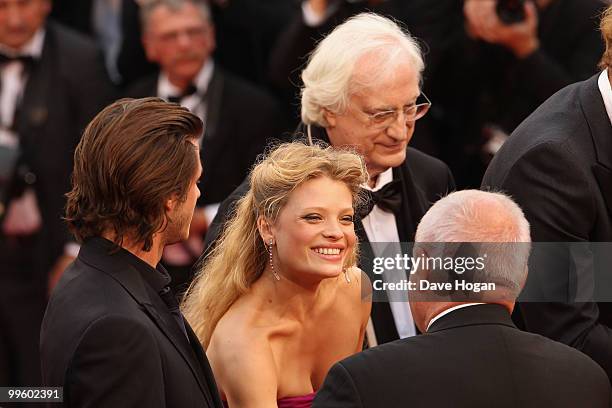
point(279, 300)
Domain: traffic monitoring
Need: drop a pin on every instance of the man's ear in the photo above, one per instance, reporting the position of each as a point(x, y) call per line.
point(171, 203)
point(330, 117)
point(265, 230)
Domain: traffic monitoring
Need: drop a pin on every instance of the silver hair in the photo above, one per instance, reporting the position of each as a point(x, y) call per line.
point(492, 219)
point(328, 78)
point(148, 6)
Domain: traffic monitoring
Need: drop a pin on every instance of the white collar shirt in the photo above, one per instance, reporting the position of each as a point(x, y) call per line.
point(382, 233)
point(449, 310)
point(13, 83)
point(196, 103)
point(606, 91)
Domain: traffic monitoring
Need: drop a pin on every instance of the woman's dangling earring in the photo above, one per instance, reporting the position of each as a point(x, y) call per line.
point(346, 276)
point(270, 245)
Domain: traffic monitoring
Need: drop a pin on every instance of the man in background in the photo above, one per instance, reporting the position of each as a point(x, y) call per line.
point(113, 335)
point(558, 166)
point(238, 118)
point(471, 354)
point(52, 83)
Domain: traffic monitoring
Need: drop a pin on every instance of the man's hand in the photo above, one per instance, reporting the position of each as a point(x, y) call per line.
point(483, 23)
point(319, 7)
point(22, 216)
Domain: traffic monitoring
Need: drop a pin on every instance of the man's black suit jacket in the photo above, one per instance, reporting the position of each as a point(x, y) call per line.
point(239, 120)
point(66, 87)
point(110, 340)
point(557, 165)
point(424, 180)
point(472, 357)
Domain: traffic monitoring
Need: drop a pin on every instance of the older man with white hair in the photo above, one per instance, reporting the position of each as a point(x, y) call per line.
point(471, 354)
point(362, 91)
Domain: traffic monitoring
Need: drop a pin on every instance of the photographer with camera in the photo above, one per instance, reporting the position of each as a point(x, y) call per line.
point(512, 24)
point(512, 56)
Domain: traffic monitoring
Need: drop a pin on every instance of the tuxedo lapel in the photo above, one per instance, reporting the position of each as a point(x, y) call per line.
point(601, 131)
point(413, 204)
point(597, 118)
point(116, 266)
point(166, 323)
point(603, 175)
point(382, 317)
point(205, 366)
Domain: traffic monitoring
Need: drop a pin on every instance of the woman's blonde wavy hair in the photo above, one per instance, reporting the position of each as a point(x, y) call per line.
point(240, 255)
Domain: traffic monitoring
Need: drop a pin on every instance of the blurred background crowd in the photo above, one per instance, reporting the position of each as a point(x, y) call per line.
point(237, 64)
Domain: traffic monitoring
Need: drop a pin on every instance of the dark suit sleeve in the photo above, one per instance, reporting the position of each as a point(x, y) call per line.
point(552, 188)
point(290, 52)
point(116, 364)
point(226, 209)
point(338, 390)
point(266, 126)
point(450, 181)
point(433, 175)
point(91, 88)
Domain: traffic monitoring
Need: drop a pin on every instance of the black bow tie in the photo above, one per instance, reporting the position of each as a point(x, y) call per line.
point(191, 89)
point(388, 198)
point(26, 60)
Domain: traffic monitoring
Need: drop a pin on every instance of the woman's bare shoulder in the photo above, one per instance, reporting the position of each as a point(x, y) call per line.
point(357, 289)
point(237, 332)
point(243, 363)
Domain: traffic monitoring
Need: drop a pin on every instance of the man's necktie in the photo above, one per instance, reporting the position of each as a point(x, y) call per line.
point(388, 198)
point(191, 89)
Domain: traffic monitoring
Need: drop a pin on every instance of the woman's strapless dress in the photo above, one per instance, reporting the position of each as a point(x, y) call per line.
point(302, 401)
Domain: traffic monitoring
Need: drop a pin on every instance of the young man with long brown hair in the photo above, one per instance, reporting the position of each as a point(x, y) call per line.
point(112, 335)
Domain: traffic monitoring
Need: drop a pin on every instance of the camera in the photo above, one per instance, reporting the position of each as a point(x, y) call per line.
point(511, 11)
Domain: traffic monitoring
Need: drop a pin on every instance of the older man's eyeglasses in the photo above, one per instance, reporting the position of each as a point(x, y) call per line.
point(384, 119)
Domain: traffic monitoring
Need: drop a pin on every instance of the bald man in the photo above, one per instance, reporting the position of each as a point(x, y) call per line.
point(471, 354)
